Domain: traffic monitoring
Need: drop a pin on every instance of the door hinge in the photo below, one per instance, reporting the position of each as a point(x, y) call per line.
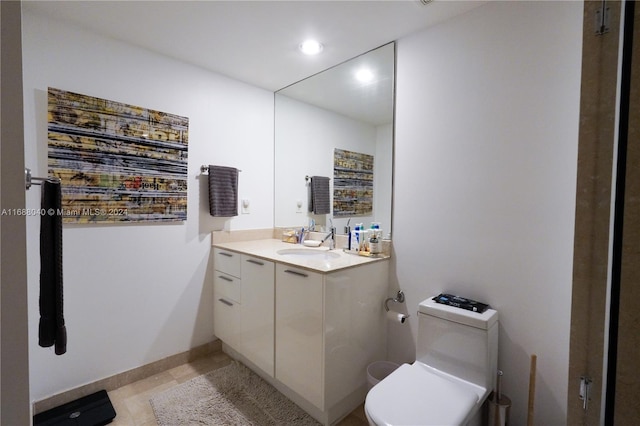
point(585, 391)
point(602, 18)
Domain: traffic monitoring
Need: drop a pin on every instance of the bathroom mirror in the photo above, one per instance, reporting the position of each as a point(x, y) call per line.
point(348, 107)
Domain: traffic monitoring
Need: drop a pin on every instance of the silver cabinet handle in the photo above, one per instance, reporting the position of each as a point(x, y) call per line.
point(255, 262)
point(226, 302)
point(223, 253)
point(301, 274)
point(225, 278)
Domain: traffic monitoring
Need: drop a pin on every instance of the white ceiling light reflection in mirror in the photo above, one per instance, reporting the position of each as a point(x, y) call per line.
point(350, 107)
point(364, 75)
point(337, 90)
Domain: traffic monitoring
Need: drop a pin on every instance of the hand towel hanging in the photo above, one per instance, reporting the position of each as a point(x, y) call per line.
point(223, 191)
point(319, 196)
point(51, 330)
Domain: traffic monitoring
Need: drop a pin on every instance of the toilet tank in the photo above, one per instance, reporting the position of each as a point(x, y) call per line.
point(459, 342)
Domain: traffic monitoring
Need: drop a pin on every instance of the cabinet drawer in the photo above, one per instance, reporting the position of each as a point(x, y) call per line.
point(226, 317)
point(228, 286)
point(227, 261)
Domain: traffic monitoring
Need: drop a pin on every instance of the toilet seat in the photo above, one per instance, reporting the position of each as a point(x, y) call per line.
point(413, 395)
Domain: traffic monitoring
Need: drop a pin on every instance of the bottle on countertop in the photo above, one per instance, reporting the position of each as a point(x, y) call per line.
point(356, 238)
point(375, 246)
point(386, 245)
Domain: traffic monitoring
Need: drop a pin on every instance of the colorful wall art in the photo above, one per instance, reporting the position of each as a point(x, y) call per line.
point(352, 183)
point(117, 162)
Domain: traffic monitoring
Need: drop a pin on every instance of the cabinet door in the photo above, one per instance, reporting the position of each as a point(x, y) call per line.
point(257, 319)
point(355, 327)
point(299, 332)
point(226, 314)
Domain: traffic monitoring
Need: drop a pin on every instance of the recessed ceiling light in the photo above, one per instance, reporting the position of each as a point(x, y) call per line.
point(310, 47)
point(364, 75)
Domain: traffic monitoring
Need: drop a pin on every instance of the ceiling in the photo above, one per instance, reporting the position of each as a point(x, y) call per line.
point(253, 41)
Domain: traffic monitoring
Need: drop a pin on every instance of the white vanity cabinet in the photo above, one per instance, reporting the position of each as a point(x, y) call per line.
point(329, 328)
point(243, 312)
point(308, 324)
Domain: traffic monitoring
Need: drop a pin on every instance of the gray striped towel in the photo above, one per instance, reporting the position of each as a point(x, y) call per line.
point(223, 191)
point(319, 197)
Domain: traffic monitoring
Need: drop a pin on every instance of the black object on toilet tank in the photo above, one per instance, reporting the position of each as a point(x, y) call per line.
point(91, 410)
point(461, 302)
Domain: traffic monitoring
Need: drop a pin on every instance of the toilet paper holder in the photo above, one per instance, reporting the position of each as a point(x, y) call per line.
point(398, 299)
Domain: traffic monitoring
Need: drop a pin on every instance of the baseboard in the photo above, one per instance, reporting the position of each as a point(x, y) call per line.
point(128, 377)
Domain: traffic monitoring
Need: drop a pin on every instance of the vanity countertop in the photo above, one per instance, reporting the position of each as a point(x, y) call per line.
point(319, 259)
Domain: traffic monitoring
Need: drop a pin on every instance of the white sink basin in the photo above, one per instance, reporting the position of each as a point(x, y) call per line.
point(302, 252)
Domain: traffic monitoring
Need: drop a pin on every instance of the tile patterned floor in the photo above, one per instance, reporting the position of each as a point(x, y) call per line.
point(131, 402)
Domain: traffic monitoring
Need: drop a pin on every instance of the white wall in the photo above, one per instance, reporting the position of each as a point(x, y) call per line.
point(138, 293)
point(306, 137)
point(485, 177)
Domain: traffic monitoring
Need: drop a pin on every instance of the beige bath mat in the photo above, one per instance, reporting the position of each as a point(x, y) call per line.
point(232, 395)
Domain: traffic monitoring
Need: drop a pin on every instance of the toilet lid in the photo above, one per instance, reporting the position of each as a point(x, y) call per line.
point(412, 395)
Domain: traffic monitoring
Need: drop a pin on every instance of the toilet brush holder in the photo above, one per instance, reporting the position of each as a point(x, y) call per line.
point(499, 406)
point(499, 410)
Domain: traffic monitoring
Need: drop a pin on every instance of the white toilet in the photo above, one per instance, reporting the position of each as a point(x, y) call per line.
point(454, 372)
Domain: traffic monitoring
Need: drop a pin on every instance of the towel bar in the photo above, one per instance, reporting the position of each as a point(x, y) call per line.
point(308, 178)
point(205, 169)
point(34, 180)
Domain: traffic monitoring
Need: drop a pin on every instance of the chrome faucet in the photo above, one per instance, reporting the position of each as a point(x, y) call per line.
point(332, 235)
